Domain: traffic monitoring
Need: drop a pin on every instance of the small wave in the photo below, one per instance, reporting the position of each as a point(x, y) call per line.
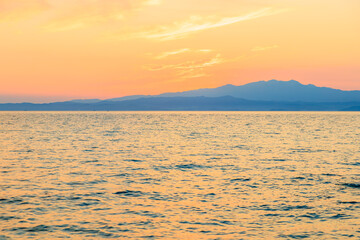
point(120, 175)
point(3, 237)
point(352, 163)
point(90, 161)
point(352, 185)
point(348, 202)
point(240, 180)
point(138, 223)
point(282, 207)
point(148, 237)
point(278, 160)
point(133, 160)
point(312, 216)
point(75, 183)
point(39, 228)
point(101, 209)
point(329, 174)
point(145, 213)
point(342, 216)
point(201, 223)
point(18, 201)
point(189, 166)
point(303, 235)
point(80, 230)
point(89, 203)
point(129, 193)
point(6, 218)
point(296, 236)
point(243, 147)
point(298, 178)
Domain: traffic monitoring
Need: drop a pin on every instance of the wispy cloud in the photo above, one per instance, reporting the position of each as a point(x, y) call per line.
point(256, 49)
point(189, 65)
point(167, 54)
point(189, 69)
point(197, 23)
point(180, 51)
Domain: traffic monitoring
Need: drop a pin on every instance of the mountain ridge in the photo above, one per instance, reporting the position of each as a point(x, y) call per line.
point(224, 103)
point(270, 95)
point(272, 90)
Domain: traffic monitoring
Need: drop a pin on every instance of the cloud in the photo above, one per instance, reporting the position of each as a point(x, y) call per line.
point(189, 69)
point(197, 23)
point(192, 69)
point(189, 75)
point(190, 64)
point(167, 54)
point(180, 51)
point(256, 49)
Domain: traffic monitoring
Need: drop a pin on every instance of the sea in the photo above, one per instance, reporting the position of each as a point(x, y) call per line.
point(179, 175)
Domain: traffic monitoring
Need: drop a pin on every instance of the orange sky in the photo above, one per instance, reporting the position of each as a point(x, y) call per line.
point(64, 49)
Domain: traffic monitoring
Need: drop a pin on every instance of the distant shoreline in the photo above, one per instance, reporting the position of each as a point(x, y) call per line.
point(226, 103)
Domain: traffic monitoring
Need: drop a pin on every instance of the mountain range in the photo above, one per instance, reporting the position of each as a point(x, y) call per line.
point(273, 90)
point(258, 96)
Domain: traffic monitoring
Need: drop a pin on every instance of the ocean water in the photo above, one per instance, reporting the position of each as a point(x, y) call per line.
point(179, 175)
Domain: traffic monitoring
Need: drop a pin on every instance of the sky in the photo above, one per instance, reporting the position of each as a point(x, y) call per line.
point(52, 50)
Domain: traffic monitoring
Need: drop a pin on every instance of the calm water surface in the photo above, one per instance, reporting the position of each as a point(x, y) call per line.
point(179, 175)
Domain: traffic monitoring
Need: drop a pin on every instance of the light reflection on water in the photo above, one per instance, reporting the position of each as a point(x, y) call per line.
point(179, 175)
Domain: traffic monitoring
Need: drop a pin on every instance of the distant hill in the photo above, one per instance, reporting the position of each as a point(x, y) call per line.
point(270, 95)
point(225, 103)
point(273, 90)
